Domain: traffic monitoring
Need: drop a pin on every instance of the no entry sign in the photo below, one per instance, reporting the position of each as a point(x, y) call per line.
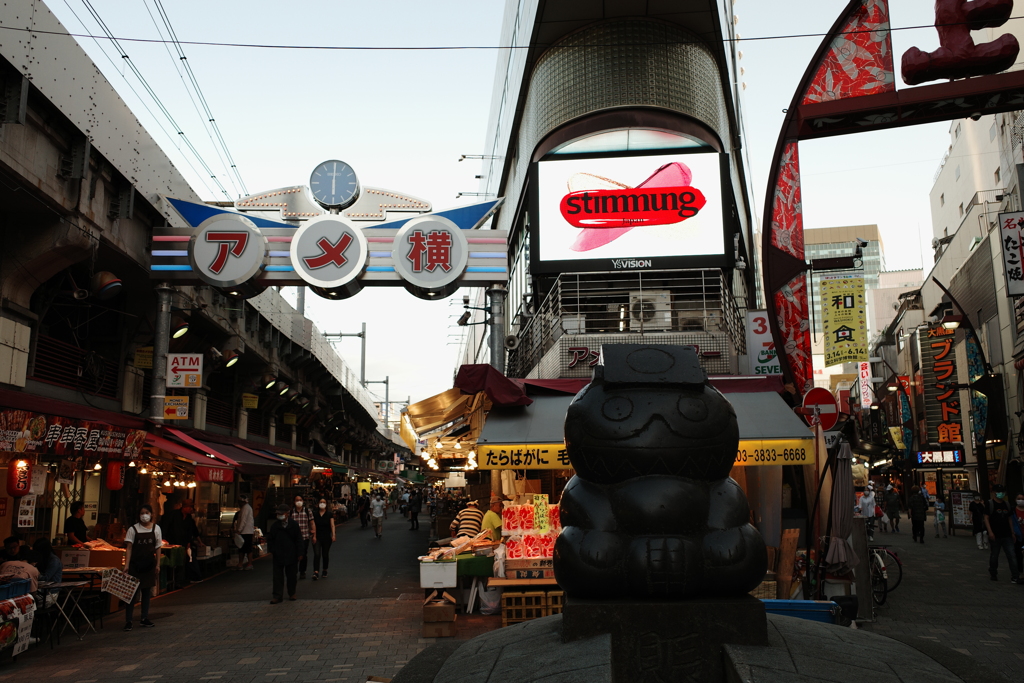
point(822, 401)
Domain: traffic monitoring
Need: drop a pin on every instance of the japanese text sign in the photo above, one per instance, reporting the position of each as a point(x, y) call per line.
point(944, 422)
point(1011, 241)
point(523, 457)
point(843, 319)
point(25, 432)
point(761, 353)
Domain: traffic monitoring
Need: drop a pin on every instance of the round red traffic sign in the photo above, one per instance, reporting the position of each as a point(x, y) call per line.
point(824, 403)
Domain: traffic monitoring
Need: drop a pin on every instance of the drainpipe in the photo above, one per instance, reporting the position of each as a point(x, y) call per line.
point(496, 295)
point(160, 343)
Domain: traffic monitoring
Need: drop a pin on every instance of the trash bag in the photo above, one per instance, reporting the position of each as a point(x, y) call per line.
point(490, 600)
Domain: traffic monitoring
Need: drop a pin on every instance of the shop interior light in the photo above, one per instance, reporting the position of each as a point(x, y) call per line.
point(167, 482)
point(458, 445)
point(179, 327)
point(131, 464)
point(143, 470)
point(191, 484)
point(97, 466)
point(893, 387)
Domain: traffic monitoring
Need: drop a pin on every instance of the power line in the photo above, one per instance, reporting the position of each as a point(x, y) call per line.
point(152, 93)
point(428, 48)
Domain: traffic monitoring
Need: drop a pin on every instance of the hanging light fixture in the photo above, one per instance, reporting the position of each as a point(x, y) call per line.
point(131, 464)
point(230, 358)
point(179, 327)
point(143, 470)
point(281, 388)
point(97, 466)
point(167, 482)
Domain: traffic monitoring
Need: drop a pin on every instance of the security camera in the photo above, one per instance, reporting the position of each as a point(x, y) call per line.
point(464, 319)
point(861, 242)
point(465, 300)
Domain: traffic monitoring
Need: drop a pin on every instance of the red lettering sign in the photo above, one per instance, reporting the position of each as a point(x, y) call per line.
point(332, 253)
point(230, 242)
point(218, 475)
point(631, 207)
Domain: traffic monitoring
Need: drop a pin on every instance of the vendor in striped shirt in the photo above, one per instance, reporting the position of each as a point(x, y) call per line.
point(468, 521)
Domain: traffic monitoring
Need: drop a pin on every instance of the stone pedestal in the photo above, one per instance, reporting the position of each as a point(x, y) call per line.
point(668, 641)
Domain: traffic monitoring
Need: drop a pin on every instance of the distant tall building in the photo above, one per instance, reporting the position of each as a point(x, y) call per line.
point(884, 300)
point(842, 241)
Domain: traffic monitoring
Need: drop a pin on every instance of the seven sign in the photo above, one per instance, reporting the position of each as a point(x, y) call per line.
point(825, 404)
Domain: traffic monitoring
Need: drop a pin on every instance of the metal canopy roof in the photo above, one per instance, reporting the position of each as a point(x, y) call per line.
point(541, 422)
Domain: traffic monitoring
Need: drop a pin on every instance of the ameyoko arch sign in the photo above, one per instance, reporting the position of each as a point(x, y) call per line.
point(334, 242)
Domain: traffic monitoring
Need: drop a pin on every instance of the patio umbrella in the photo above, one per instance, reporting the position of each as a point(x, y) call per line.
point(840, 556)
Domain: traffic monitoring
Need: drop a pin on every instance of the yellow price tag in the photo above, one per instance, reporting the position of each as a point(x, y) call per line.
point(758, 452)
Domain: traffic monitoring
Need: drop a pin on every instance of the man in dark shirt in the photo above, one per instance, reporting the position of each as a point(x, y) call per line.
point(172, 523)
point(74, 526)
point(284, 541)
point(1000, 534)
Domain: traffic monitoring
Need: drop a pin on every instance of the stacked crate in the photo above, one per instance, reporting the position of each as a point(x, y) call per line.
point(524, 606)
point(439, 615)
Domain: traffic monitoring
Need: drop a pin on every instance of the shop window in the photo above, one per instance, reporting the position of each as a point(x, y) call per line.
point(997, 177)
point(956, 173)
point(961, 209)
point(942, 200)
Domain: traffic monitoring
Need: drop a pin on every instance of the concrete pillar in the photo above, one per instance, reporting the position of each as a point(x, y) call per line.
point(272, 427)
point(199, 409)
point(243, 423)
point(295, 438)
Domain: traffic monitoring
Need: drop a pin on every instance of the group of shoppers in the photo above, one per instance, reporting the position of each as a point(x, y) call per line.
point(289, 538)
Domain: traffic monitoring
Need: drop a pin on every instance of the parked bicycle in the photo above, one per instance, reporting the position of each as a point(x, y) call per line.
point(886, 572)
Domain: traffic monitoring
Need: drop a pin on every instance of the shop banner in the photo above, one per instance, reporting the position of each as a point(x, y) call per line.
point(960, 505)
point(843, 319)
point(864, 377)
point(119, 584)
point(1011, 241)
point(524, 457)
point(757, 453)
point(25, 432)
point(218, 475)
point(66, 472)
point(38, 485)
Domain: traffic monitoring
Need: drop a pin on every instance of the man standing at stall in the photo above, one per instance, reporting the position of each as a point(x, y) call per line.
point(304, 518)
point(468, 521)
point(74, 527)
point(492, 518)
point(284, 541)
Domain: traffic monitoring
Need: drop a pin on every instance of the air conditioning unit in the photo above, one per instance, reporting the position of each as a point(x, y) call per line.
point(691, 321)
point(650, 310)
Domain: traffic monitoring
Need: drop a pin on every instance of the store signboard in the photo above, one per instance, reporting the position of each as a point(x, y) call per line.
point(944, 423)
point(760, 453)
point(761, 355)
point(144, 358)
point(629, 213)
point(184, 370)
point(27, 512)
point(218, 475)
point(25, 432)
point(940, 458)
point(523, 457)
point(250, 401)
point(1011, 241)
point(844, 320)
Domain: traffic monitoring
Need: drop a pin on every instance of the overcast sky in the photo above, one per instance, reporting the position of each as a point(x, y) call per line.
point(403, 118)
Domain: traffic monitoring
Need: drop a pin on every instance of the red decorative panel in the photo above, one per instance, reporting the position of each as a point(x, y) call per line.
point(794, 323)
point(787, 215)
point(859, 61)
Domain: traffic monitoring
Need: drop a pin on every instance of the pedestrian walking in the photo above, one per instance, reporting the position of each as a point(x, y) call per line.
point(940, 516)
point(918, 510)
point(977, 509)
point(415, 504)
point(323, 520)
point(378, 514)
point(304, 518)
point(364, 511)
point(1018, 533)
point(1000, 534)
point(284, 541)
point(867, 510)
point(892, 507)
point(142, 560)
point(468, 521)
point(245, 526)
point(193, 541)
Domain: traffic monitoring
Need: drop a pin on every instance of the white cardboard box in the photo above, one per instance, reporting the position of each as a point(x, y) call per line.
point(439, 574)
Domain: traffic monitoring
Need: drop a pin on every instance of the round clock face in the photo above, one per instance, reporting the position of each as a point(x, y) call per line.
point(334, 184)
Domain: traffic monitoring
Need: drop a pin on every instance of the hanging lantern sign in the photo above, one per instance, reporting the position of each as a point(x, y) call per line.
point(115, 475)
point(19, 478)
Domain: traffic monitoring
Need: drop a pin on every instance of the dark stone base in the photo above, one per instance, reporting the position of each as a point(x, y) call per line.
point(668, 641)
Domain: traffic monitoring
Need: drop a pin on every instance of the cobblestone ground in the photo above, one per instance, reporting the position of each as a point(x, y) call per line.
point(225, 630)
point(946, 597)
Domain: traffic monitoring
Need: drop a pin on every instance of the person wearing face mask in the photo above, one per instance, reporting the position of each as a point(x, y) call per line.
point(323, 521)
point(245, 526)
point(1000, 534)
point(284, 541)
point(1017, 522)
point(142, 560)
point(304, 518)
point(977, 509)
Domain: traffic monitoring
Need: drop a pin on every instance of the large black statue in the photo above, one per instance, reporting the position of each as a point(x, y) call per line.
point(652, 512)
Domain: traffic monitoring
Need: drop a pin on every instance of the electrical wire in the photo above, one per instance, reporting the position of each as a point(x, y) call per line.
point(428, 48)
point(202, 98)
point(152, 93)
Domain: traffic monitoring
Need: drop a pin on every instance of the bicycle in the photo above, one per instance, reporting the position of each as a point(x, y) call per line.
point(890, 564)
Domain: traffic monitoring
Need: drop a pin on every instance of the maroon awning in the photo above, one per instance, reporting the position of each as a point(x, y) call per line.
point(502, 391)
point(22, 400)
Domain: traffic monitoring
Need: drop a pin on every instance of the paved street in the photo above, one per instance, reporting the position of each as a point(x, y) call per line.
point(947, 597)
point(365, 620)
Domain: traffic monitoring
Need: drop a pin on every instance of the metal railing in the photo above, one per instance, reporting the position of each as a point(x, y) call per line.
point(634, 303)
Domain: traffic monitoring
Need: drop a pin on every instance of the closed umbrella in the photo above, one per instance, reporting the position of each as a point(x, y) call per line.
point(840, 556)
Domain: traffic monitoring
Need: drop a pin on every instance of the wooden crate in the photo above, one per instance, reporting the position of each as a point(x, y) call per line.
point(522, 606)
point(766, 590)
point(556, 599)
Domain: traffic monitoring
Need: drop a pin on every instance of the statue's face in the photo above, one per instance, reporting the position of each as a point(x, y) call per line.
point(616, 431)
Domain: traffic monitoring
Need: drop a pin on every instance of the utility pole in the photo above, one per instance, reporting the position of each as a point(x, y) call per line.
point(162, 337)
point(496, 295)
point(336, 336)
point(387, 403)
